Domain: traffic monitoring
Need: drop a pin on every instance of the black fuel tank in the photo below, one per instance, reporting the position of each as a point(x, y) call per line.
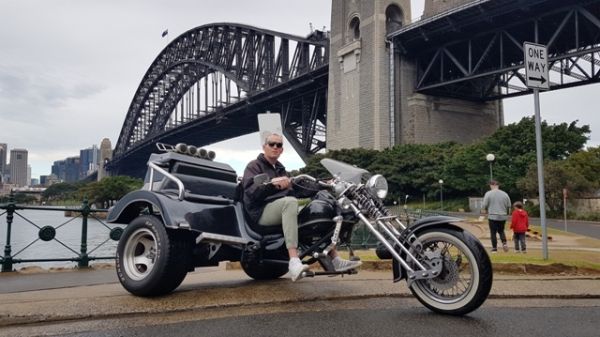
point(316, 218)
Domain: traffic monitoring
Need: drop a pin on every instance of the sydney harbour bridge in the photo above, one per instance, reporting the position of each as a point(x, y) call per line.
point(209, 83)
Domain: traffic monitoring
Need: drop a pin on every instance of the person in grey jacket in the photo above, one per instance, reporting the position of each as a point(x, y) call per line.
point(497, 204)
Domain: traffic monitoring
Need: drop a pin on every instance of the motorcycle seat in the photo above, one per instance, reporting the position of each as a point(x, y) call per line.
point(263, 230)
point(260, 229)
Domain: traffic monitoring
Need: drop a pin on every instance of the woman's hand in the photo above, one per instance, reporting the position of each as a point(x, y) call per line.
point(281, 183)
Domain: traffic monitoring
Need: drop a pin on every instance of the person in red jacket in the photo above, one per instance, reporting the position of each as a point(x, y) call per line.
point(519, 225)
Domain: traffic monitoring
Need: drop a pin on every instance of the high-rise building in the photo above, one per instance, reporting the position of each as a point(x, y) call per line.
point(18, 167)
point(47, 180)
point(90, 158)
point(72, 169)
point(59, 169)
point(3, 153)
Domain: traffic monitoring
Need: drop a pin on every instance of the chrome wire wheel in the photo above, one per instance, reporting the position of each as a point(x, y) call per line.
point(458, 284)
point(139, 255)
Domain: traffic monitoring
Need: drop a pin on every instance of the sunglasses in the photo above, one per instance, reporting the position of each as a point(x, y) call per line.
point(274, 144)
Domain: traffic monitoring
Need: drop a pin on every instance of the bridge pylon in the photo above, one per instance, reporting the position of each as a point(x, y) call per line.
point(372, 102)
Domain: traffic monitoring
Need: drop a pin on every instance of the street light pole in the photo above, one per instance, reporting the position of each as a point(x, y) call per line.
point(441, 182)
point(490, 158)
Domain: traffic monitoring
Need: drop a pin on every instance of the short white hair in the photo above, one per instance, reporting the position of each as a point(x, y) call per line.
point(269, 134)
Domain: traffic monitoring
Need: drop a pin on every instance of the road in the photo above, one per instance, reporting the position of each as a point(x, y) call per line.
point(585, 228)
point(382, 316)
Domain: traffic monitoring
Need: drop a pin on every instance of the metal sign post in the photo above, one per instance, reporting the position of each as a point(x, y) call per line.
point(537, 77)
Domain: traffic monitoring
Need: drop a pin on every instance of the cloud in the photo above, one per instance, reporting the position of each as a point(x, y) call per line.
point(32, 95)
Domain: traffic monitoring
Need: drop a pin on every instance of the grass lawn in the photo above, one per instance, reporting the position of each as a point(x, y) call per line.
point(572, 258)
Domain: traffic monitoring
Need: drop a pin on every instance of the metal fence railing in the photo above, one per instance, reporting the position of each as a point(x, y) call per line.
point(362, 238)
point(48, 232)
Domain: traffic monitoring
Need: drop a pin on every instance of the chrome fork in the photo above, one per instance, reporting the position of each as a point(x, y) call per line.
point(392, 233)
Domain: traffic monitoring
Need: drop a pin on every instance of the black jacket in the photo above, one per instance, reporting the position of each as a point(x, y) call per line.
point(257, 196)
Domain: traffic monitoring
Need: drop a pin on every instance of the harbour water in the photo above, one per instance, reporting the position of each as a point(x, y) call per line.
point(25, 242)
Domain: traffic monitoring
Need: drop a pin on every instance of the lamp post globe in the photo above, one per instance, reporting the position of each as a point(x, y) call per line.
point(441, 182)
point(490, 158)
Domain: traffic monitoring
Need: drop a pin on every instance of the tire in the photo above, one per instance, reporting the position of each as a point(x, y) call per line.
point(151, 260)
point(466, 278)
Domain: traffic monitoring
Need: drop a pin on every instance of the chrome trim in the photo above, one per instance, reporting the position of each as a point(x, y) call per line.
point(221, 238)
point(180, 186)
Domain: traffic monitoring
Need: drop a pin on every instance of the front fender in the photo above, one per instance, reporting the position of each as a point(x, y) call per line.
point(439, 221)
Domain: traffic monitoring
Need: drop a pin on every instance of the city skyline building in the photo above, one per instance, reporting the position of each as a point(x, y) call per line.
point(90, 159)
point(58, 169)
point(18, 167)
point(47, 180)
point(3, 154)
point(67, 170)
point(72, 166)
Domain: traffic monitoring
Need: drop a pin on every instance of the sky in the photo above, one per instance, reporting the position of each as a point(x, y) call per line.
point(69, 69)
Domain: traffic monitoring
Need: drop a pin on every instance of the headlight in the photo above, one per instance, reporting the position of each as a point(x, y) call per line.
point(378, 186)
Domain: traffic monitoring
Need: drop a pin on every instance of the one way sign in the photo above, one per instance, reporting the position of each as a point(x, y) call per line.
point(536, 66)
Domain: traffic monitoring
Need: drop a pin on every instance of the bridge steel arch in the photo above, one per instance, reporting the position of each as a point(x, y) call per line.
point(475, 52)
point(209, 83)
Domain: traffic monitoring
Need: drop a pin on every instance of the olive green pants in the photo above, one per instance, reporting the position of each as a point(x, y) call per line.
point(284, 212)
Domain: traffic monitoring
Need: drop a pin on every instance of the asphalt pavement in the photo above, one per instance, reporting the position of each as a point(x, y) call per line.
point(97, 294)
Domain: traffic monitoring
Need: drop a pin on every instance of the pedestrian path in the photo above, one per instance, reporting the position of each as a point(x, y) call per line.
point(217, 287)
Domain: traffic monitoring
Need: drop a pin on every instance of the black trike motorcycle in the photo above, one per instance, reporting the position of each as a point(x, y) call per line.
point(190, 214)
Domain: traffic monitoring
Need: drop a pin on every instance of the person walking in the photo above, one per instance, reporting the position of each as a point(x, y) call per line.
point(519, 224)
point(497, 205)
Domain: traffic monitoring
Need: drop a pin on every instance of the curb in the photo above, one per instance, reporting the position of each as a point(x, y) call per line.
point(500, 268)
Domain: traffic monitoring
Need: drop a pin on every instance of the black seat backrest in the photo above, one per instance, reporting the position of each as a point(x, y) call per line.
point(239, 193)
point(264, 230)
point(204, 186)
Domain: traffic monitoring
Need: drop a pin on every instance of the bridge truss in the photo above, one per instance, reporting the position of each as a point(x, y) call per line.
point(210, 82)
point(475, 51)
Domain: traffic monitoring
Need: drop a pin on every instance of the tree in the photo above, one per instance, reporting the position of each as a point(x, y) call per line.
point(587, 163)
point(110, 188)
point(557, 175)
point(60, 191)
point(514, 147)
point(415, 169)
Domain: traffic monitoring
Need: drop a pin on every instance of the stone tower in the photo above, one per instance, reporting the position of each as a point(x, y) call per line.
point(371, 99)
point(105, 155)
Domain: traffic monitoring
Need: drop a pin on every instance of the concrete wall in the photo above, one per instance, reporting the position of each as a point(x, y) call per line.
point(584, 206)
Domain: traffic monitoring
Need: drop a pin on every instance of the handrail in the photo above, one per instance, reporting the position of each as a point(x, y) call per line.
point(48, 232)
point(180, 185)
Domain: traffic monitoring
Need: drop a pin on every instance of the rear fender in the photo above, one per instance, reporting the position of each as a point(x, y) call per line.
point(415, 229)
point(138, 202)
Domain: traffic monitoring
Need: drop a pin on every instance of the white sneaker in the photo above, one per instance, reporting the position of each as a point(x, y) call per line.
point(296, 268)
point(342, 265)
